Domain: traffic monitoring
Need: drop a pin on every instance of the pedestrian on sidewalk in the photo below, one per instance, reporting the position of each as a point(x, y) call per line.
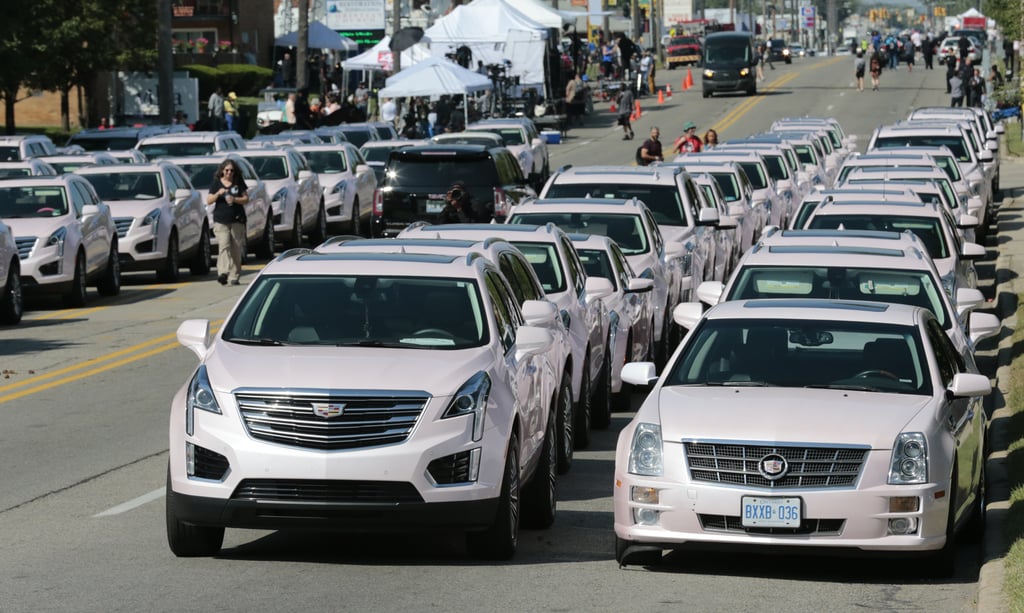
point(956, 90)
point(859, 64)
point(876, 69)
point(689, 142)
point(625, 101)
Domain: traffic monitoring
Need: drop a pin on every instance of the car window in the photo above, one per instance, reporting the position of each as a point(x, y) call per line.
point(693, 197)
point(326, 162)
point(577, 275)
point(625, 229)
point(270, 167)
point(954, 143)
point(502, 316)
point(943, 357)
point(664, 201)
point(729, 185)
point(522, 277)
point(622, 268)
point(543, 258)
point(127, 185)
point(596, 263)
point(201, 174)
point(510, 137)
point(928, 229)
point(430, 170)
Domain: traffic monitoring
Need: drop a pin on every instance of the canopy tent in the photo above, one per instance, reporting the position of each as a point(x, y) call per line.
point(545, 15)
point(320, 37)
point(495, 31)
point(371, 59)
point(435, 76)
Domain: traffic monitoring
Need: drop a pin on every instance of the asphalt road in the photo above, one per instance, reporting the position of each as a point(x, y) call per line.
point(84, 397)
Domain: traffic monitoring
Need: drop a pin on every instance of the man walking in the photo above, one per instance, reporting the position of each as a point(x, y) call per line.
point(625, 103)
point(215, 106)
point(956, 91)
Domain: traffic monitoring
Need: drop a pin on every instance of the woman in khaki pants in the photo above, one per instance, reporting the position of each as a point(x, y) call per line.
point(228, 194)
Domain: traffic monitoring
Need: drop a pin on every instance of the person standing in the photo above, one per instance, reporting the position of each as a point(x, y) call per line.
point(645, 71)
point(965, 73)
point(608, 58)
point(361, 98)
point(859, 65)
point(389, 111)
point(710, 140)
point(215, 106)
point(289, 111)
point(230, 111)
point(950, 71)
point(956, 91)
point(287, 70)
point(458, 207)
point(689, 142)
point(928, 51)
point(977, 86)
point(650, 151)
point(964, 46)
point(625, 101)
point(875, 66)
point(228, 195)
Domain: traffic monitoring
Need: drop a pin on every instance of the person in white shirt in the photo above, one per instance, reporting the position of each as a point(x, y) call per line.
point(645, 69)
point(389, 110)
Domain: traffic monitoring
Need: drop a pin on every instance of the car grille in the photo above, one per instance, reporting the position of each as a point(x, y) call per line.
point(808, 467)
point(25, 245)
point(123, 225)
point(364, 420)
point(209, 464)
point(733, 523)
point(326, 491)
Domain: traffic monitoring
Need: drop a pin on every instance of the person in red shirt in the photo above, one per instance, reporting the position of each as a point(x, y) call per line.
point(689, 142)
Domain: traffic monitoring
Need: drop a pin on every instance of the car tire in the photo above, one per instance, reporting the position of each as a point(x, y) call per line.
point(564, 424)
point(601, 408)
point(706, 94)
point(539, 499)
point(295, 240)
point(637, 558)
point(168, 272)
point(266, 248)
point(582, 414)
point(75, 297)
point(200, 265)
point(354, 224)
point(621, 398)
point(319, 232)
point(186, 540)
point(12, 305)
point(942, 563)
point(110, 283)
point(500, 539)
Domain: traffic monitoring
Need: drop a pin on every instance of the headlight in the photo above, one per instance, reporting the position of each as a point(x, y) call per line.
point(709, 73)
point(949, 282)
point(57, 239)
point(785, 52)
point(471, 399)
point(337, 188)
point(645, 454)
point(200, 396)
point(152, 219)
point(281, 195)
point(744, 72)
point(975, 187)
point(909, 459)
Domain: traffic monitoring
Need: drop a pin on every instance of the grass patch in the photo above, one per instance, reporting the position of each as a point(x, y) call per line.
point(1014, 146)
point(1014, 582)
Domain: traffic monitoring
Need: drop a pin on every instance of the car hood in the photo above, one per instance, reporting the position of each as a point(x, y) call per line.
point(785, 415)
point(275, 185)
point(35, 226)
point(676, 233)
point(440, 373)
point(132, 208)
point(327, 181)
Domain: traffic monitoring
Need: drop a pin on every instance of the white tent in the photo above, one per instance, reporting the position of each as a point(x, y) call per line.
point(435, 76)
point(495, 31)
point(537, 11)
point(371, 59)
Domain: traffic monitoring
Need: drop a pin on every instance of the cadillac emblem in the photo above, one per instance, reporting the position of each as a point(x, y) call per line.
point(328, 410)
point(773, 467)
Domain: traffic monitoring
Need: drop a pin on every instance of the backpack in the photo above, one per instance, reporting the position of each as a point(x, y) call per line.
point(640, 161)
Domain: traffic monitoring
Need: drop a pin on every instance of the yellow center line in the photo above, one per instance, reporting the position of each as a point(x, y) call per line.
point(742, 109)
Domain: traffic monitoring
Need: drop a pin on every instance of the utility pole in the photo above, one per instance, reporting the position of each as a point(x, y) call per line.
point(396, 25)
point(635, 12)
point(165, 64)
point(301, 65)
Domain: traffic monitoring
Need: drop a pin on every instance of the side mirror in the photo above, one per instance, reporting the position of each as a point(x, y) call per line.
point(967, 221)
point(640, 285)
point(710, 292)
point(965, 385)
point(195, 335)
point(362, 168)
point(642, 374)
point(968, 299)
point(1000, 128)
point(597, 288)
point(540, 313)
point(182, 193)
point(90, 210)
point(992, 145)
point(986, 155)
point(687, 314)
point(531, 340)
point(972, 251)
point(982, 326)
point(727, 222)
point(674, 250)
point(708, 217)
point(991, 135)
point(305, 175)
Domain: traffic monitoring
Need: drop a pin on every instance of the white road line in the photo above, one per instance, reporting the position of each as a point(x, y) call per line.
point(131, 504)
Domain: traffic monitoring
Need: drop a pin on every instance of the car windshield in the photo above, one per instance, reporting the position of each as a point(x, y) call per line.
point(127, 185)
point(326, 162)
point(72, 166)
point(728, 184)
point(806, 353)
point(363, 310)
point(663, 200)
point(441, 171)
point(42, 201)
point(468, 138)
point(358, 137)
point(726, 53)
point(544, 259)
point(755, 173)
point(683, 40)
point(14, 173)
point(510, 137)
point(913, 287)
point(104, 143)
point(10, 154)
point(955, 144)
point(161, 149)
point(928, 229)
point(201, 174)
point(376, 154)
point(269, 167)
point(597, 263)
point(627, 230)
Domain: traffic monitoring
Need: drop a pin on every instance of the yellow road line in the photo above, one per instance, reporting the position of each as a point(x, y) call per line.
point(748, 104)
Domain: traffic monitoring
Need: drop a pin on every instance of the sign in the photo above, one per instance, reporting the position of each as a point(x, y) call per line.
point(807, 17)
point(142, 99)
point(355, 15)
point(677, 11)
point(386, 60)
point(582, 3)
point(364, 38)
point(974, 23)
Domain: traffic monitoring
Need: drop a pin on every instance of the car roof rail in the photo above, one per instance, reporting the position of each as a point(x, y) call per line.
point(293, 253)
point(417, 224)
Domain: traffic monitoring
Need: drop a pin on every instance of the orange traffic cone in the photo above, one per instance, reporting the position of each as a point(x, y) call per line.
point(614, 108)
point(689, 78)
point(668, 91)
point(661, 97)
point(682, 84)
point(638, 112)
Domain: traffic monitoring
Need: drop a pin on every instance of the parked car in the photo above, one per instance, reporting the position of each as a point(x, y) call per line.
point(189, 143)
point(17, 147)
point(348, 184)
point(522, 138)
point(751, 215)
point(65, 235)
point(32, 167)
point(119, 138)
point(129, 156)
point(73, 161)
point(160, 217)
point(464, 440)
point(377, 152)
point(296, 199)
point(259, 218)
point(358, 133)
point(418, 178)
point(11, 302)
point(836, 433)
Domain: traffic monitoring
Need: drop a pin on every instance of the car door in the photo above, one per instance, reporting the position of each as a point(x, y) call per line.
point(522, 375)
point(187, 211)
point(257, 209)
point(540, 150)
point(308, 187)
point(592, 312)
point(95, 235)
point(363, 178)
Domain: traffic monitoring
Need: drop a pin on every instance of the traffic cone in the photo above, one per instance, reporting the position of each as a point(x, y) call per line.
point(689, 78)
point(668, 91)
point(682, 84)
point(614, 108)
point(638, 112)
point(661, 97)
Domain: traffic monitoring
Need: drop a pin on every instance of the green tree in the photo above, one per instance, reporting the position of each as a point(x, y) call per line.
point(23, 41)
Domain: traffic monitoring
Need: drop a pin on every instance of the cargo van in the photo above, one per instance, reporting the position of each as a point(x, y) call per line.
point(730, 63)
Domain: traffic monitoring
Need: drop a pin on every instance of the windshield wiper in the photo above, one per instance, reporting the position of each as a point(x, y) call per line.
point(263, 342)
point(368, 342)
point(736, 384)
point(843, 386)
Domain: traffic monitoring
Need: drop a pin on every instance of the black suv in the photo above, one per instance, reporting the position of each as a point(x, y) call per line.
point(417, 180)
point(779, 51)
point(119, 138)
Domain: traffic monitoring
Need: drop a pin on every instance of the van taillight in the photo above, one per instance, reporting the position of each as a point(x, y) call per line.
point(500, 202)
point(378, 202)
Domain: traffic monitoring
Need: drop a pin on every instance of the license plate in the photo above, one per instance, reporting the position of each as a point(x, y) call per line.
point(760, 512)
point(434, 207)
